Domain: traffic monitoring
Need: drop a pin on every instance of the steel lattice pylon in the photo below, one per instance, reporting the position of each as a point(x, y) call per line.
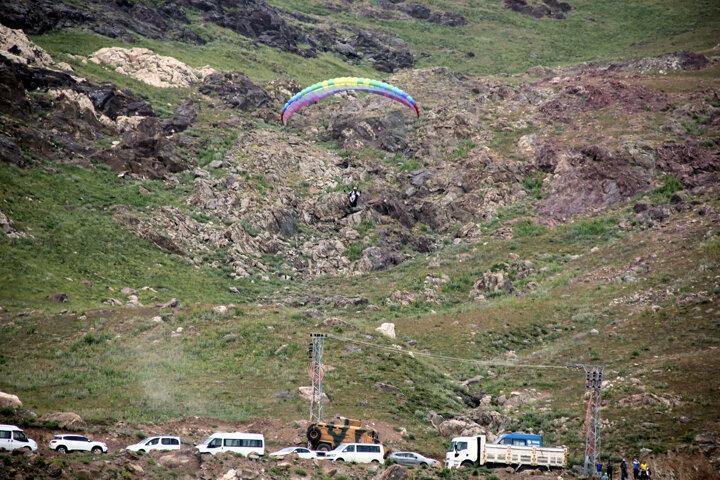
point(316, 371)
point(593, 384)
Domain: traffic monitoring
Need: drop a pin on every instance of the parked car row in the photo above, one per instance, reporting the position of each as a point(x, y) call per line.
point(13, 438)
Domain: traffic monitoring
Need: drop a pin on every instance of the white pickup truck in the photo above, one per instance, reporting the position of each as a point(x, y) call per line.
point(471, 451)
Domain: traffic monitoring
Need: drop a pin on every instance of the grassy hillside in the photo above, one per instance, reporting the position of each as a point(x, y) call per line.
point(499, 40)
point(603, 288)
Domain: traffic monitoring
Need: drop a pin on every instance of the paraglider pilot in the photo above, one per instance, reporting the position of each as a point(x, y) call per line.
point(354, 197)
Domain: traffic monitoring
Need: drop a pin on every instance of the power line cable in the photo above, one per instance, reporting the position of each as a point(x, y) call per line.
point(414, 353)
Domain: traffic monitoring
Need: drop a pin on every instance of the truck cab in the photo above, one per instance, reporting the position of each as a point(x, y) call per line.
point(520, 439)
point(464, 451)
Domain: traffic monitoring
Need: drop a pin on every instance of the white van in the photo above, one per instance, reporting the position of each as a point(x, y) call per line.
point(357, 452)
point(238, 442)
point(12, 438)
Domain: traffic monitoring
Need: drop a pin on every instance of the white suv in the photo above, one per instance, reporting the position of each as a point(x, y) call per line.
point(68, 443)
point(155, 443)
point(357, 452)
point(12, 438)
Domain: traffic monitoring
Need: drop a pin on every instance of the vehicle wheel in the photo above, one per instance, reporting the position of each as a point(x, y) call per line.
point(466, 464)
point(142, 450)
point(324, 447)
point(314, 434)
point(375, 461)
point(339, 460)
point(27, 449)
point(424, 465)
point(61, 449)
point(96, 450)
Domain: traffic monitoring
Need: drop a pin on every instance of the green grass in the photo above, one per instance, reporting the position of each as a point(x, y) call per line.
point(79, 249)
point(504, 41)
point(592, 229)
point(527, 228)
point(533, 185)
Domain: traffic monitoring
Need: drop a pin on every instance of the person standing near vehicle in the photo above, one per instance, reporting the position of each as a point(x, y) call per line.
point(609, 469)
point(636, 469)
point(623, 470)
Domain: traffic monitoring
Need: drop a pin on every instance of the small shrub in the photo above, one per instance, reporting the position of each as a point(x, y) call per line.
point(462, 150)
point(663, 193)
point(593, 229)
point(533, 185)
point(527, 228)
point(354, 251)
point(301, 471)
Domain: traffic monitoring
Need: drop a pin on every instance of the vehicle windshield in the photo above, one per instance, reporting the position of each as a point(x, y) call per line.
point(20, 436)
point(457, 446)
point(206, 441)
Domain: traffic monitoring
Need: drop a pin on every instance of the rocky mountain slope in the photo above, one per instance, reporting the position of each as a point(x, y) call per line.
point(150, 197)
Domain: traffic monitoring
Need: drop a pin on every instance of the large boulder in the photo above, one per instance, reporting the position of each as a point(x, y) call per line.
point(491, 282)
point(378, 258)
point(394, 472)
point(10, 152)
point(307, 394)
point(17, 47)
point(9, 401)
point(235, 89)
point(64, 420)
point(459, 426)
point(184, 116)
point(387, 329)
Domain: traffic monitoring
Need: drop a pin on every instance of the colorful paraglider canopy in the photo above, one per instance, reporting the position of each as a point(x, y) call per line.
point(316, 92)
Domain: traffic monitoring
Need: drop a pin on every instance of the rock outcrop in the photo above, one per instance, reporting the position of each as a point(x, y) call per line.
point(546, 8)
point(147, 66)
point(17, 47)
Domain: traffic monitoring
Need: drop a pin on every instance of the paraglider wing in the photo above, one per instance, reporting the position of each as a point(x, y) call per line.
point(316, 92)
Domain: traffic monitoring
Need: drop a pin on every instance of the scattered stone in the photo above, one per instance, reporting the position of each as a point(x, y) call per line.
point(173, 303)
point(388, 388)
point(59, 297)
point(220, 309)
